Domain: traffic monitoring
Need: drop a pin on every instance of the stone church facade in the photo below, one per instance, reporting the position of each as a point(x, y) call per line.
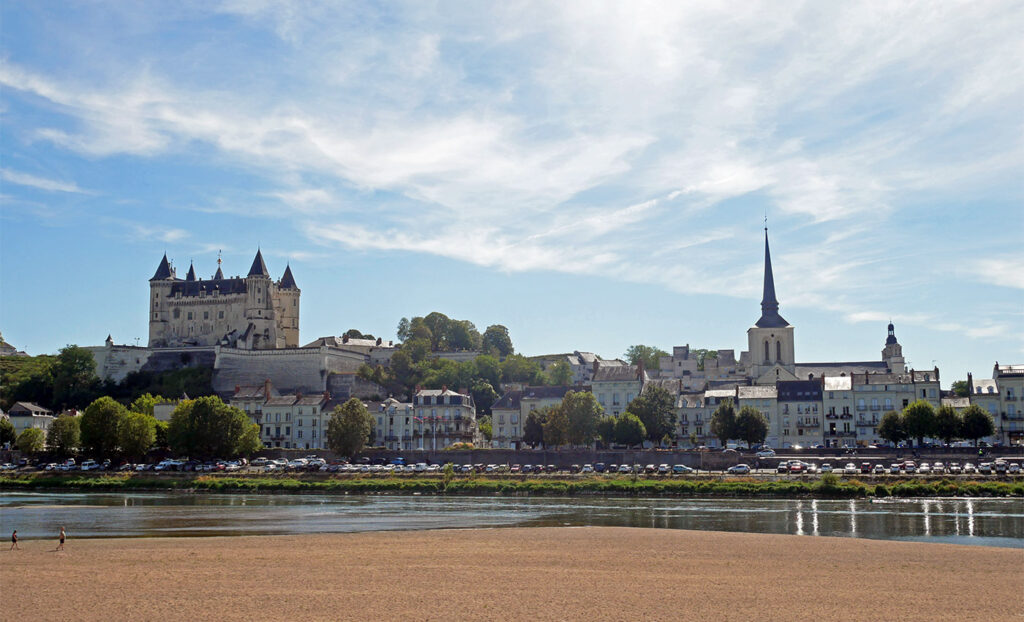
point(250, 313)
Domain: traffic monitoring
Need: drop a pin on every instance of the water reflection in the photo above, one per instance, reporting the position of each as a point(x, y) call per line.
point(997, 522)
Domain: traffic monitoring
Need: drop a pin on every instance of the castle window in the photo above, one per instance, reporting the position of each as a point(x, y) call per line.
point(206, 315)
point(220, 315)
point(190, 315)
point(156, 315)
point(177, 313)
point(766, 351)
point(778, 350)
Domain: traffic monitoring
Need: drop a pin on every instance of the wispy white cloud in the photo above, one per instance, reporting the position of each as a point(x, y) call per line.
point(41, 183)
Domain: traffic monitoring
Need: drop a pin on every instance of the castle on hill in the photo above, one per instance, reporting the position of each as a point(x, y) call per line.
point(250, 313)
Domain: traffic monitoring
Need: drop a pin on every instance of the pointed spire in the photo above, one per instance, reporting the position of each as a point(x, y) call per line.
point(288, 281)
point(163, 271)
point(259, 267)
point(218, 274)
point(191, 276)
point(770, 317)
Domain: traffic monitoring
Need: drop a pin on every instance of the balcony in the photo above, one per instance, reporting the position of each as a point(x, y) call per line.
point(876, 407)
point(841, 434)
point(808, 424)
point(1013, 416)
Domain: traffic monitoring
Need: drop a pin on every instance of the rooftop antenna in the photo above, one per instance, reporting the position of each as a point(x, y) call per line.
point(218, 258)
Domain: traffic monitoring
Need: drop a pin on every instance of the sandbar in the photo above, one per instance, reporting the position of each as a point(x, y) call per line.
point(590, 573)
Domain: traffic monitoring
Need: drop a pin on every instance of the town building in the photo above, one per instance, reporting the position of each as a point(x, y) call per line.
point(509, 413)
point(25, 415)
point(445, 417)
point(615, 386)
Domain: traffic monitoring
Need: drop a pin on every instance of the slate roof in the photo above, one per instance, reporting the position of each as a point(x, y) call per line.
point(163, 271)
point(539, 393)
point(510, 401)
point(219, 274)
point(956, 402)
point(259, 267)
point(191, 276)
point(288, 281)
point(799, 390)
point(985, 386)
point(223, 286)
point(280, 400)
point(803, 370)
point(672, 385)
point(616, 373)
point(20, 409)
point(770, 317)
point(251, 392)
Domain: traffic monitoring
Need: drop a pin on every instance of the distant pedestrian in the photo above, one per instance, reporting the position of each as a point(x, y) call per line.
point(63, 536)
point(14, 541)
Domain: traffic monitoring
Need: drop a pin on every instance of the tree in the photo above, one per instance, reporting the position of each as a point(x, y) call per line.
point(556, 427)
point(497, 341)
point(656, 407)
point(516, 368)
point(488, 369)
point(354, 333)
point(99, 426)
point(976, 424)
point(484, 425)
point(533, 429)
point(960, 388)
point(582, 411)
point(209, 428)
point(629, 430)
point(891, 428)
point(64, 435)
point(348, 428)
point(723, 422)
point(919, 420)
point(439, 324)
point(31, 441)
point(74, 377)
point(6, 431)
point(160, 438)
point(606, 430)
point(560, 374)
point(751, 426)
point(462, 335)
point(484, 396)
point(648, 355)
point(404, 331)
point(948, 424)
point(136, 433)
point(145, 403)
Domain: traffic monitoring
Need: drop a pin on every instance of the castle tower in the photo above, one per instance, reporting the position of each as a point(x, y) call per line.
point(892, 353)
point(287, 307)
point(770, 339)
point(261, 333)
point(159, 294)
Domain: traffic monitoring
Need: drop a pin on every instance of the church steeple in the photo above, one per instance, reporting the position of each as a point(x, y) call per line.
point(891, 339)
point(770, 317)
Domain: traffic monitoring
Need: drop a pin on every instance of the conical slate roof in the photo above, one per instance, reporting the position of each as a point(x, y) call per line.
point(219, 274)
point(191, 276)
point(259, 267)
point(288, 281)
point(163, 271)
point(770, 317)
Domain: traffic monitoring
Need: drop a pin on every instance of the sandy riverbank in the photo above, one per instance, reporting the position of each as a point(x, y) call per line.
point(511, 574)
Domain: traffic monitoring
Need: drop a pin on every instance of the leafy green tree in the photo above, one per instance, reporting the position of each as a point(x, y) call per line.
point(160, 432)
point(606, 430)
point(145, 403)
point(348, 428)
point(208, 428)
point(891, 428)
point(960, 388)
point(31, 441)
point(582, 412)
point(751, 426)
point(6, 431)
point(556, 427)
point(488, 369)
point(353, 333)
point(629, 430)
point(99, 426)
point(648, 355)
point(723, 422)
point(497, 341)
point(74, 377)
point(404, 331)
point(249, 442)
point(463, 335)
point(656, 407)
point(516, 368)
point(919, 421)
point(418, 349)
point(484, 396)
point(136, 433)
point(439, 325)
point(533, 429)
point(948, 424)
point(64, 435)
point(560, 374)
point(976, 424)
point(485, 427)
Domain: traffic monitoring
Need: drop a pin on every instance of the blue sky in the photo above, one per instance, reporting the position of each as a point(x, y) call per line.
point(590, 175)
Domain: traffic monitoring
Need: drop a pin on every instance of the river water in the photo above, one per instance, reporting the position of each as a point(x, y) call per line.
point(987, 522)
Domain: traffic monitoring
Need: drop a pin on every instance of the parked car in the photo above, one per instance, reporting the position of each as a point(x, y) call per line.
point(879, 469)
point(850, 469)
point(783, 467)
point(767, 452)
point(90, 465)
point(650, 469)
point(924, 469)
point(599, 467)
point(954, 468)
point(681, 469)
point(894, 469)
point(938, 467)
point(623, 468)
point(795, 466)
point(1000, 466)
point(587, 468)
point(970, 468)
point(985, 468)
point(739, 469)
point(810, 467)
point(865, 467)
point(663, 469)
point(825, 468)
point(1014, 468)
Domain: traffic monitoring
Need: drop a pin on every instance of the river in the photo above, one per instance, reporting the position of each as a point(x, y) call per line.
point(987, 522)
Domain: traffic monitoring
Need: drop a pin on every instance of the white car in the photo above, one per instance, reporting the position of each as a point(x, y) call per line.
point(938, 467)
point(954, 467)
point(850, 469)
point(587, 468)
point(970, 468)
point(894, 469)
point(825, 468)
point(878, 469)
point(739, 469)
point(925, 468)
point(766, 453)
point(90, 465)
point(1014, 468)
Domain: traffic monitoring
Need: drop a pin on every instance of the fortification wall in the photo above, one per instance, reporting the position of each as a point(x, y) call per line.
point(290, 370)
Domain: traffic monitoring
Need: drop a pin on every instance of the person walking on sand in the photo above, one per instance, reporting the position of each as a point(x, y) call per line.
point(63, 536)
point(14, 541)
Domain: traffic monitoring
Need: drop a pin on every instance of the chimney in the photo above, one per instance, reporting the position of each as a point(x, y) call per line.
point(596, 364)
point(640, 370)
point(237, 388)
point(344, 339)
point(379, 341)
point(970, 384)
point(266, 388)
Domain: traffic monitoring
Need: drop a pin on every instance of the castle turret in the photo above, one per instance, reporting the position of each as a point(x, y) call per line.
point(191, 276)
point(892, 353)
point(259, 309)
point(159, 293)
point(288, 308)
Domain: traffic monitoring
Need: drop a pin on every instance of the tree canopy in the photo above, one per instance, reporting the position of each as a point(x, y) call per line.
point(891, 428)
point(208, 428)
point(6, 431)
point(99, 426)
point(648, 355)
point(976, 424)
point(723, 422)
point(919, 420)
point(31, 441)
point(750, 426)
point(948, 424)
point(533, 429)
point(629, 430)
point(656, 408)
point(960, 388)
point(349, 428)
point(497, 341)
point(136, 433)
point(582, 412)
point(64, 435)
point(556, 427)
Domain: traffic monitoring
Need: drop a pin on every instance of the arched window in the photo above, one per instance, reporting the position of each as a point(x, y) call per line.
point(778, 350)
point(766, 351)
